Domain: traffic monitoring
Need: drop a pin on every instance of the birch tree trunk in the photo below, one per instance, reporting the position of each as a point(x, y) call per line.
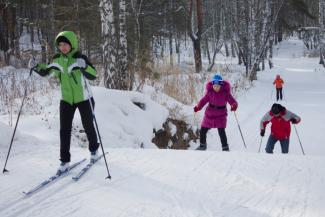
point(136, 7)
point(109, 42)
point(124, 77)
point(321, 32)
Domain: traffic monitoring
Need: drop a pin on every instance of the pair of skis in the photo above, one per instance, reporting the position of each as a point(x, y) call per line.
point(56, 177)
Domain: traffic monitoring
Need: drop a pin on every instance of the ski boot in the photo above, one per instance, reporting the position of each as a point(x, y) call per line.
point(226, 148)
point(202, 147)
point(93, 156)
point(64, 166)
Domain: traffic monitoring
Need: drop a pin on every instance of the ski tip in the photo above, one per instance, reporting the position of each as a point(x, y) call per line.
point(75, 179)
point(25, 194)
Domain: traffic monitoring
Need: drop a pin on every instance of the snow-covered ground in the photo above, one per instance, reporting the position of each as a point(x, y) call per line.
point(152, 182)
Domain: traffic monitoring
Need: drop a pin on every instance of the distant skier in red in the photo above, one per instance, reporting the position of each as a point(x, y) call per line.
point(278, 82)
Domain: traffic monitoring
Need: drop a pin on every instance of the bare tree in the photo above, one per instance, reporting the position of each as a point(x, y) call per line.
point(7, 30)
point(196, 36)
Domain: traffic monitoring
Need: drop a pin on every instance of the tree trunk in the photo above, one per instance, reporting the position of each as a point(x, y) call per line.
point(233, 51)
point(227, 49)
point(270, 53)
point(197, 55)
point(321, 32)
point(7, 30)
point(208, 51)
point(111, 79)
point(196, 38)
point(124, 77)
point(170, 35)
point(214, 56)
point(177, 47)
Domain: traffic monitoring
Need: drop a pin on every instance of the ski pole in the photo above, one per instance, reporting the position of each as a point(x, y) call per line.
point(302, 149)
point(240, 130)
point(272, 93)
point(259, 149)
point(19, 113)
point(97, 131)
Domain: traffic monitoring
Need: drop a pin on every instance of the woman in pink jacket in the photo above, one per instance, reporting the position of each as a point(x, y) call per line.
point(217, 95)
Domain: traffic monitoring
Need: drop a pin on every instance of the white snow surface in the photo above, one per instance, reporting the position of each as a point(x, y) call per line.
point(150, 182)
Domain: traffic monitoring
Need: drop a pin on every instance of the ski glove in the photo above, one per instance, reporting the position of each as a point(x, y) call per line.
point(196, 109)
point(42, 69)
point(294, 121)
point(262, 133)
point(81, 63)
point(234, 107)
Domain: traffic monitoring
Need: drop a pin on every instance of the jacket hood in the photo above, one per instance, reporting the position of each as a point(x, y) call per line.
point(224, 87)
point(72, 38)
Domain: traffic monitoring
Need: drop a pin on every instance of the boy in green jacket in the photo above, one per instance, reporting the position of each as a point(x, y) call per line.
point(71, 67)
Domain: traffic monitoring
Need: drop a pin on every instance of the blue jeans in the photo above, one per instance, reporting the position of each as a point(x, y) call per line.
point(271, 142)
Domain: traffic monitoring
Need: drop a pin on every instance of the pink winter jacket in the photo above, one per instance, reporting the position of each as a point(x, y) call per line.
point(215, 115)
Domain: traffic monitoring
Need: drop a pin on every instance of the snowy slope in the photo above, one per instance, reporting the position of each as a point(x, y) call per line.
point(304, 95)
point(152, 182)
point(121, 122)
point(173, 183)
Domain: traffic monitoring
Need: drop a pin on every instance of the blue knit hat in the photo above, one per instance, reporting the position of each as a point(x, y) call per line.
point(217, 79)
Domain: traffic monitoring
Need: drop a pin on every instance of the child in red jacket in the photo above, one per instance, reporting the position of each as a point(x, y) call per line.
point(278, 82)
point(280, 129)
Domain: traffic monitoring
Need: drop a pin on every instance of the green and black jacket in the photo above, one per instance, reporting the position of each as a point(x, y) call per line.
point(65, 67)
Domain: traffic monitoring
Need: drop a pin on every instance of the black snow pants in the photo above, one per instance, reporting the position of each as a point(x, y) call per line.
point(222, 135)
point(278, 94)
point(66, 117)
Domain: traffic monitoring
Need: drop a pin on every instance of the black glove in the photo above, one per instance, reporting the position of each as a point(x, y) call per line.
point(262, 133)
point(41, 69)
point(294, 121)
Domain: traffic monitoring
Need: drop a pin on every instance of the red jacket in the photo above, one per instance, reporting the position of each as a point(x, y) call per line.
point(280, 128)
point(278, 82)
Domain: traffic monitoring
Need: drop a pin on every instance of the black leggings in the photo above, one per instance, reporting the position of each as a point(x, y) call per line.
point(66, 117)
point(278, 94)
point(222, 135)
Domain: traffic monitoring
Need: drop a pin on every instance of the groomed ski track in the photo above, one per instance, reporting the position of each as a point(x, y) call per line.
point(161, 183)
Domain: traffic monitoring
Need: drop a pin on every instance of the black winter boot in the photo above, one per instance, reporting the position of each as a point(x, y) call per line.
point(202, 147)
point(226, 148)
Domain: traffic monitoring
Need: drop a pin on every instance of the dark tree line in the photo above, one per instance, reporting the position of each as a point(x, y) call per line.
point(124, 36)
